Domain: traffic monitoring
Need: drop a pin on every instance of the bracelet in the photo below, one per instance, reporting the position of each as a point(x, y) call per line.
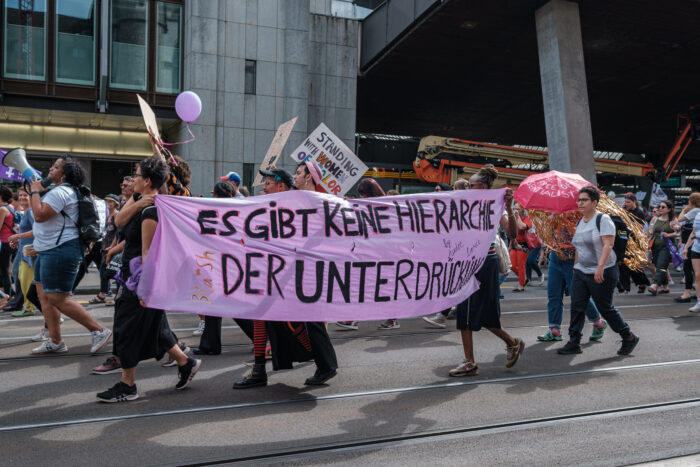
point(34, 193)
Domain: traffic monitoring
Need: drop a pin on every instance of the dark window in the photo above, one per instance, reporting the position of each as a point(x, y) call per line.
point(169, 35)
point(75, 41)
point(250, 66)
point(248, 174)
point(25, 39)
point(56, 48)
point(129, 44)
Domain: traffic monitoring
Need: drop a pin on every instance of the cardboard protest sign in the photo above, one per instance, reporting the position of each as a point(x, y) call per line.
point(275, 149)
point(340, 167)
point(306, 256)
point(149, 118)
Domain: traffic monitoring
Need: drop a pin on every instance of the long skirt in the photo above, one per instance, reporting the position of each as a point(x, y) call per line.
point(139, 333)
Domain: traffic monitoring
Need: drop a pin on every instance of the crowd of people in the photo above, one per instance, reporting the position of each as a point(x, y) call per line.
point(43, 259)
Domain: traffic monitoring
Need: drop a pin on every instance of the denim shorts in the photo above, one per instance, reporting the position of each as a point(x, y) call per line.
point(55, 269)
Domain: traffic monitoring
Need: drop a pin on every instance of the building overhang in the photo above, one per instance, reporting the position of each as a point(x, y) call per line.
point(51, 132)
point(471, 70)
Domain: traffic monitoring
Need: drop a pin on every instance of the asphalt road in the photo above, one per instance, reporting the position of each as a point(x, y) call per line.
point(392, 402)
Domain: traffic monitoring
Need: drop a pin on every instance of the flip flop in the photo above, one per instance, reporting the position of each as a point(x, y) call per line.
point(96, 300)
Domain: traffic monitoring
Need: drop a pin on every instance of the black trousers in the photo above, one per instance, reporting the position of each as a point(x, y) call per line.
point(211, 338)
point(583, 288)
point(94, 254)
point(638, 277)
point(5, 258)
point(688, 272)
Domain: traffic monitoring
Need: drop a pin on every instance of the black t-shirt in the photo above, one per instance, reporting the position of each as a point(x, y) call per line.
point(132, 234)
point(638, 215)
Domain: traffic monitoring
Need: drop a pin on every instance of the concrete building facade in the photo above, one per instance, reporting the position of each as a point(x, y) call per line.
point(254, 63)
point(304, 64)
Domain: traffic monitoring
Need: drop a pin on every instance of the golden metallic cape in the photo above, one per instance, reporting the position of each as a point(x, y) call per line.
point(556, 231)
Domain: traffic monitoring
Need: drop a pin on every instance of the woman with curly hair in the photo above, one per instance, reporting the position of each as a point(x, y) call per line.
point(483, 309)
point(60, 252)
point(141, 333)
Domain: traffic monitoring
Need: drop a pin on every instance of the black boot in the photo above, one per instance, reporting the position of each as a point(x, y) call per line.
point(257, 377)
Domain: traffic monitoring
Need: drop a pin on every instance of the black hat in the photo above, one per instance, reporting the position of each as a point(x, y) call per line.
point(280, 175)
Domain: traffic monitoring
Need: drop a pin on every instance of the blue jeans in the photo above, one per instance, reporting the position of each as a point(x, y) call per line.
point(55, 269)
point(560, 273)
point(531, 263)
point(583, 289)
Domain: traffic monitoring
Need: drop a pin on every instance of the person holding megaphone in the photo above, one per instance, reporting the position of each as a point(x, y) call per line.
point(60, 252)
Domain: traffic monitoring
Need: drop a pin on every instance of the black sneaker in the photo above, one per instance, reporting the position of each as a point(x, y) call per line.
point(186, 372)
point(120, 392)
point(570, 348)
point(628, 345)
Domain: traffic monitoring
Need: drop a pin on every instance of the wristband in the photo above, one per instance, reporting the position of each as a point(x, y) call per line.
point(34, 193)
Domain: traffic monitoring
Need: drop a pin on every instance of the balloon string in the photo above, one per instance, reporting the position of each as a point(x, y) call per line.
point(183, 142)
point(163, 144)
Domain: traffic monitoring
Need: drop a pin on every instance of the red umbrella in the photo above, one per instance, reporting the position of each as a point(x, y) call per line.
point(552, 191)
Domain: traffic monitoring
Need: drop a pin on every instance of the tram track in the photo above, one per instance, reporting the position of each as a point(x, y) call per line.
point(342, 396)
point(436, 435)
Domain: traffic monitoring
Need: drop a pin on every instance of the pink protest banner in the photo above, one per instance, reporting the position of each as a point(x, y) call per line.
point(305, 256)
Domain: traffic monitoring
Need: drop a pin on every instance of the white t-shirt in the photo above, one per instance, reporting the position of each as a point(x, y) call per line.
point(696, 227)
point(61, 198)
point(102, 213)
point(589, 245)
point(691, 215)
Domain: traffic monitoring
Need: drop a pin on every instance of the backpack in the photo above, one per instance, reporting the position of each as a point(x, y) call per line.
point(88, 220)
point(622, 234)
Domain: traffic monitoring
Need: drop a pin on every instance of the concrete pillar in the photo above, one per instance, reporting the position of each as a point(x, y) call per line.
point(564, 91)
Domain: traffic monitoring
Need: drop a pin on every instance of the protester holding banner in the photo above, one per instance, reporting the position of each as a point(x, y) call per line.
point(290, 341)
point(141, 333)
point(482, 309)
point(660, 229)
point(307, 177)
point(595, 274)
point(60, 251)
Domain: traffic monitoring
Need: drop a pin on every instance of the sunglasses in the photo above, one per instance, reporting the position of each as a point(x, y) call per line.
point(583, 200)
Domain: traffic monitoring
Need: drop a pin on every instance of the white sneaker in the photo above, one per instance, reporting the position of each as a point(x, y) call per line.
point(50, 347)
point(200, 329)
point(542, 280)
point(438, 320)
point(695, 308)
point(42, 336)
point(100, 339)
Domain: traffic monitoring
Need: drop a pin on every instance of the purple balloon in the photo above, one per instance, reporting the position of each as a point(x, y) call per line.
point(188, 106)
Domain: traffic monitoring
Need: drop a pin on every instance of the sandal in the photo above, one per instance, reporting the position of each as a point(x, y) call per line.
point(96, 300)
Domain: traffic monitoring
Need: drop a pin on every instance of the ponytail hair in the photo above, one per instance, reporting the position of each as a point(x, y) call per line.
point(487, 174)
